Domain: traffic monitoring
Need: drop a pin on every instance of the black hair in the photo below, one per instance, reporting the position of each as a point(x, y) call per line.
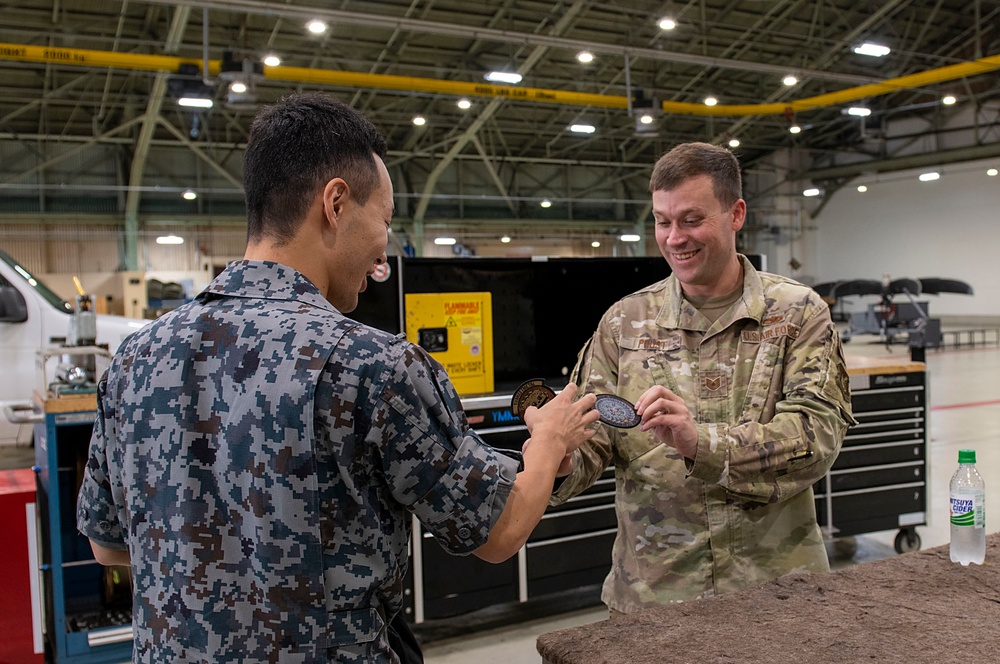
point(295, 147)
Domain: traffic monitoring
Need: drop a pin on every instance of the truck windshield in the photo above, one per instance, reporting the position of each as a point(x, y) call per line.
point(40, 288)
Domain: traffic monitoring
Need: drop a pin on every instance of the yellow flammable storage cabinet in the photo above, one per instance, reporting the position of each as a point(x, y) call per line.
point(457, 330)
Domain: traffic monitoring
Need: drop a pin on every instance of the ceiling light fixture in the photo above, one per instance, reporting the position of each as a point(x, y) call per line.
point(794, 129)
point(929, 177)
point(505, 239)
point(992, 172)
point(873, 50)
point(585, 57)
point(862, 188)
point(464, 104)
point(238, 87)
point(189, 88)
point(512, 78)
point(789, 80)
point(271, 60)
point(444, 241)
point(595, 244)
point(189, 195)
point(169, 239)
point(316, 26)
point(734, 142)
point(419, 120)
point(859, 111)
point(646, 119)
point(948, 100)
point(196, 102)
point(630, 237)
point(811, 192)
point(582, 129)
point(666, 23)
point(546, 203)
point(711, 101)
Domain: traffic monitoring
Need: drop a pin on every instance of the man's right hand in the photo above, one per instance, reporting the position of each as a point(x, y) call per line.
point(563, 424)
point(557, 429)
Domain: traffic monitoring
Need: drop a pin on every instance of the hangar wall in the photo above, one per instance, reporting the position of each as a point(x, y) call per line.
point(944, 228)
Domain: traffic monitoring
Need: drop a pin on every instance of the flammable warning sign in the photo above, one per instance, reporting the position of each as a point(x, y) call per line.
point(457, 330)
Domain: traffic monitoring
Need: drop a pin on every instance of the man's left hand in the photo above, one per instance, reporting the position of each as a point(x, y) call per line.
point(667, 416)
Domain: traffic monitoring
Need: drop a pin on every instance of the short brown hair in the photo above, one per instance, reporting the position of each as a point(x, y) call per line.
point(689, 160)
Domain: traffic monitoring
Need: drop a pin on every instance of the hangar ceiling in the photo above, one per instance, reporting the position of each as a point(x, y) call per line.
point(88, 123)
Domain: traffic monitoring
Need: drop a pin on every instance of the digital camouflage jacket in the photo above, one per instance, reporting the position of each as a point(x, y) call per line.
point(769, 391)
point(259, 455)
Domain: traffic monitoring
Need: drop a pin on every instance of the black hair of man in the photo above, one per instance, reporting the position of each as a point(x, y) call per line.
point(689, 160)
point(295, 147)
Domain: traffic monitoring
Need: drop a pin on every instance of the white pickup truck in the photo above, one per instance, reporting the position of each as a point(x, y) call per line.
point(31, 316)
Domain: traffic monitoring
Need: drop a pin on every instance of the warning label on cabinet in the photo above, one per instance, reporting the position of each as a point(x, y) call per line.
point(457, 330)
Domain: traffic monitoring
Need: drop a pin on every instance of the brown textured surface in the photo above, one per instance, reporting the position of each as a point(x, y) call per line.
point(918, 608)
point(862, 364)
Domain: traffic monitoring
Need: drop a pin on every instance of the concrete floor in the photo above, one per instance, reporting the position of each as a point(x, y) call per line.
point(965, 414)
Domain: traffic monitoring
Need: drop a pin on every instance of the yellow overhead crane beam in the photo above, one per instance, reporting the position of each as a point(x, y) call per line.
point(137, 61)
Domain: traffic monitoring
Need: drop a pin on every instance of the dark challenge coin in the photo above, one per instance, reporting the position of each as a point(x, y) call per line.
point(616, 411)
point(530, 393)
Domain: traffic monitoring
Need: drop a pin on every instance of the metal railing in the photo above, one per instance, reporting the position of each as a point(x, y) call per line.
point(970, 338)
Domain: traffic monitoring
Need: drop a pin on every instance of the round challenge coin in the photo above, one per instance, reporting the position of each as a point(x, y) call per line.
point(616, 411)
point(530, 393)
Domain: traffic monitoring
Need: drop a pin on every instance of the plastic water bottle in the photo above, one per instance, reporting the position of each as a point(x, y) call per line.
point(968, 511)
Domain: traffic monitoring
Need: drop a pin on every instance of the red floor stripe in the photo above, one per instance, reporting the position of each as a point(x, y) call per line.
point(973, 404)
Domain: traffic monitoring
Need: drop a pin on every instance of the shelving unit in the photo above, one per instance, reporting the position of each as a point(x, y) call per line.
point(86, 622)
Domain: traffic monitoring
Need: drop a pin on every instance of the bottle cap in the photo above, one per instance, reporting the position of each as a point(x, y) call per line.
point(966, 456)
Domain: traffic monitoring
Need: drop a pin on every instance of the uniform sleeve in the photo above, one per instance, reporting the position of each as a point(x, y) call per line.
point(596, 372)
point(773, 461)
point(96, 514)
point(437, 467)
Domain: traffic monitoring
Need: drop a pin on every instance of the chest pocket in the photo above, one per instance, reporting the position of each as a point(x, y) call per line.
point(764, 384)
point(643, 362)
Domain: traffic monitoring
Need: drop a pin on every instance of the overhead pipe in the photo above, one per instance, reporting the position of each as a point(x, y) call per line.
point(137, 61)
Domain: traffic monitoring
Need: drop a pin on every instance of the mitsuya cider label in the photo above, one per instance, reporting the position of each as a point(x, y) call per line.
point(967, 509)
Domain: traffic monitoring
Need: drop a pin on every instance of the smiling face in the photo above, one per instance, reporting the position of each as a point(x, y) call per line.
point(697, 236)
point(362, 236)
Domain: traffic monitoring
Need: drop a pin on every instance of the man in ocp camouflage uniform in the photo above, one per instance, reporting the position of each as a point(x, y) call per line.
point(257, 455)
point(740, 381)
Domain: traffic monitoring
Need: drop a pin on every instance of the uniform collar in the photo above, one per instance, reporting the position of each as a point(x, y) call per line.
point(678, 313)
point(265, 280)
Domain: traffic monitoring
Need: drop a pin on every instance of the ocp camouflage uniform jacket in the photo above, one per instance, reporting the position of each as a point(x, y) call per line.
point(768, 389)
point(259, 456)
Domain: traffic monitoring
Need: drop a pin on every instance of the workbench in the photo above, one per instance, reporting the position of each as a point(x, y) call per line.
point(919, 608)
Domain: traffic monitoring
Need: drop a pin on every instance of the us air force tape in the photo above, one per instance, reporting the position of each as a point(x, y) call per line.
point(616, 411)
point(530, 393)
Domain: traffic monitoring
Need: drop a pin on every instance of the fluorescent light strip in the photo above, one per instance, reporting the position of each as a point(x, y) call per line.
point(512, 78)
point(195, 102)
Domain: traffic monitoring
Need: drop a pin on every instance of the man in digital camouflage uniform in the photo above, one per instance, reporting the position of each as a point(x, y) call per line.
point(257, 454)
point(740, 381)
